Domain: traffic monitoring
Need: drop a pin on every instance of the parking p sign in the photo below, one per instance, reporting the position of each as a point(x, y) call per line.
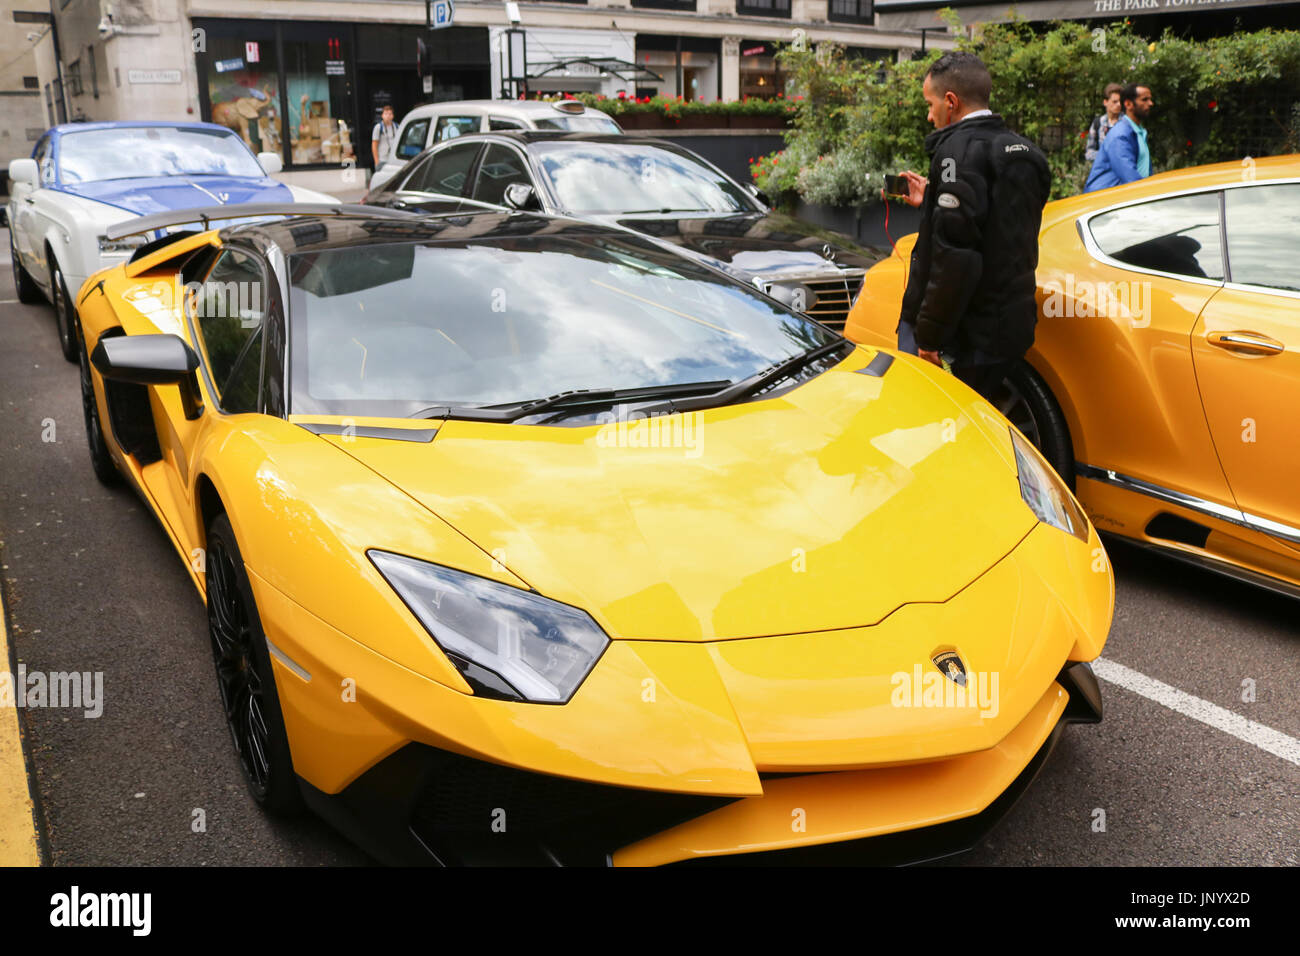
point(444, 13)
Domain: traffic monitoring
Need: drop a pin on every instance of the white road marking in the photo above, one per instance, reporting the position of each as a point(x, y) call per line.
point(1265, 738)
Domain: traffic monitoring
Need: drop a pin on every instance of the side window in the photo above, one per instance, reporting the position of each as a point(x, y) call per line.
point(450, 127)
point(1179, 235)
point(412, 141)
point(44, 160)
point(445, 171)
point(228, 313)
point(1262, 225)
point(407, 177)
point(501, 166)
point(500, 122)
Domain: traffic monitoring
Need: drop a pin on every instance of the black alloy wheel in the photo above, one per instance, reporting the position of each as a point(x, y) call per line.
point(65, 314)
point(100, 458)
point(244, 676)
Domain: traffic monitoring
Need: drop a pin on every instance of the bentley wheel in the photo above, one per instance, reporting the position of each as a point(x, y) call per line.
point(1026, 401)
point(244, 676)
point(64, 313)
point(100, 458)
point(28, 291)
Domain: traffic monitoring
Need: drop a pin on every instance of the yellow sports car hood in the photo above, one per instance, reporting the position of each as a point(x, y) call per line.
point(825, 507)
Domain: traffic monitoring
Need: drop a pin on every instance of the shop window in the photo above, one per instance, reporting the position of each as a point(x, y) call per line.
point(760, 73)
point(244, 88)
point(319, 101)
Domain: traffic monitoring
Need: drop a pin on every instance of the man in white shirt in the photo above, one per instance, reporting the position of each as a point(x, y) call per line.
point(383, 141)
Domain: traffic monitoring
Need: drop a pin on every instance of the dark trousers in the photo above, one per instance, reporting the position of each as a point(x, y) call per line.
point(984, 375)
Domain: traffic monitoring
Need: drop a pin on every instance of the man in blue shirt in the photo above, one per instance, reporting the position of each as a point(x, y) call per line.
point(1124, 157)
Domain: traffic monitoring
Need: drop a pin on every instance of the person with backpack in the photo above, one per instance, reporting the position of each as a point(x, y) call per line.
point(969, 303)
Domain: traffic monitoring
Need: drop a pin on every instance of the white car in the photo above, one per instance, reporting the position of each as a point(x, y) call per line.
point(437, 122)
point(84, 177)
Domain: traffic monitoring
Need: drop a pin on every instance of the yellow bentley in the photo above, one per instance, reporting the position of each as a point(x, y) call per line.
point(524, 539)
point(1164, 380)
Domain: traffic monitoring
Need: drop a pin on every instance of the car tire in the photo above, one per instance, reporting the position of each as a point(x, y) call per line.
point(245, 678)
point(29, 293)
point(1026, 401)
point(100, 458)
point(65, 314)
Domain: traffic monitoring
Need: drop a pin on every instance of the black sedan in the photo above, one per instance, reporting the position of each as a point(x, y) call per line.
point(649, 185)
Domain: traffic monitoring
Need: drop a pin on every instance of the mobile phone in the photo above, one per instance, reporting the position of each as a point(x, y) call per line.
point(896, 186)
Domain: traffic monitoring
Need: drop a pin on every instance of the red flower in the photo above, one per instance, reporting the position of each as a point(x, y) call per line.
point(1189, 142)
point(1083, 135)
point(1213, 104)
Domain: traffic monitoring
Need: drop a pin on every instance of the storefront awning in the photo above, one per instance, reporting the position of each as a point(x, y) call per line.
point(584, 66)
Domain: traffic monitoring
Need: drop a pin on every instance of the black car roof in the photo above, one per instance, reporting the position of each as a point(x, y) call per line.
point(319, 233)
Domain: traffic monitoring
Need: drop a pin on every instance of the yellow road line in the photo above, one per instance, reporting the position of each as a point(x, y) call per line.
point(18, 846)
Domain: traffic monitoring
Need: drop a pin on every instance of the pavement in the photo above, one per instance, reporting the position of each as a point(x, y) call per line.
point(1194, 774)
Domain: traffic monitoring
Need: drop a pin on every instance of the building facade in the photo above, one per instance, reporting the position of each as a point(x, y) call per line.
point(308, 78)
point(22, 118)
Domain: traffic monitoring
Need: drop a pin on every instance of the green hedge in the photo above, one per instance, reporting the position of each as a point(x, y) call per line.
point(1216, 100)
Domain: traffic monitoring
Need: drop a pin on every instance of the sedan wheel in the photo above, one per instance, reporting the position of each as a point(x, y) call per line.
point(29, 292)
point(65, 314)
point(244, 676)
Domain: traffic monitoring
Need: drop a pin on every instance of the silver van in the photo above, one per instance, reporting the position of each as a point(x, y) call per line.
point(435, 122)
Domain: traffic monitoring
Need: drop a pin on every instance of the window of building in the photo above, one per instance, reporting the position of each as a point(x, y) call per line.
point(665, 4)
point(851, 11)
point(243, 83)
point(94, 80)
point(73, 77)
point(763, 8)
point(319, 104)
point(760, 71)
point(31, 83)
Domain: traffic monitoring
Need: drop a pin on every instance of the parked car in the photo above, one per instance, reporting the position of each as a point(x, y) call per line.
point(622, 559)
point(83, 177)
point(652, 186)
point(435, 123)
point(1165, 374)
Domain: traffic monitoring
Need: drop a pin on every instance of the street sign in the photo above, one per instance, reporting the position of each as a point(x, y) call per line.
point(443, 14)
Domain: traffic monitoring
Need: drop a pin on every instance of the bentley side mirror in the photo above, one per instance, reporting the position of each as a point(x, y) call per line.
point(521, 196)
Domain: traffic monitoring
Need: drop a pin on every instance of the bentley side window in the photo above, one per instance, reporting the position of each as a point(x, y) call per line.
point(1262, 223)
point(1179, 235)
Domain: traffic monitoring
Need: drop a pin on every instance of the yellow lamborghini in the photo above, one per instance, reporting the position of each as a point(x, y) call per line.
point(1164, 380)
point(524, 539)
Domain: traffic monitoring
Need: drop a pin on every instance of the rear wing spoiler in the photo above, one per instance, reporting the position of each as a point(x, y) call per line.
point(208, 214)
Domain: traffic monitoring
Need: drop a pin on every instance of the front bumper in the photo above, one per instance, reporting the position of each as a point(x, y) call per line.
point(678, 751)
point(427, 806)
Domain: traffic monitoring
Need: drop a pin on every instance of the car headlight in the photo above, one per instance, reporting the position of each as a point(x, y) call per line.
point(127, 245)
point(507, 643)
point(1045, 493)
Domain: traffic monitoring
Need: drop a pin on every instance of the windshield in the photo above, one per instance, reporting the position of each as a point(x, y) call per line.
point(635, 177)
point(130, 152)
point(396, 328)
point(582, 124)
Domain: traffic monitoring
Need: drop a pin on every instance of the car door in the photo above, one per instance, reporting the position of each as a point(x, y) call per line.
point(501, 166)
point(227, 315)
point(30, 217)
point(1246, 346)
point(440, 181)
point(1124, 328)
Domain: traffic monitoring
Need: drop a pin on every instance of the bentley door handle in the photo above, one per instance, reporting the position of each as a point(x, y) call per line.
point(1250, 342)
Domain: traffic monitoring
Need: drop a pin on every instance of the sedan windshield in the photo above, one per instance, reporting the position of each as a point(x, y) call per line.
point(615, 178)
point(130, 152)
point(397, 328)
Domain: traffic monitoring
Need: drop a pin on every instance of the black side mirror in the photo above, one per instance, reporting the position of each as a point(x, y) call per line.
point(521, 196)
point(145, 359)
point(758, 194)
point(151, 360)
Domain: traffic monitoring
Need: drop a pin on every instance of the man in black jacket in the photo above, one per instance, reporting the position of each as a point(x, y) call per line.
point(970, 289)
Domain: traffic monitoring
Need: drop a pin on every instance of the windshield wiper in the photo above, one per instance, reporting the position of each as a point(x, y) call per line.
point(637, 212)
point(757, 381)
point(582, 396)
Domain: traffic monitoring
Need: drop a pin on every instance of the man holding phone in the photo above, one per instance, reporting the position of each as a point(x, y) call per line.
point(970, 288)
